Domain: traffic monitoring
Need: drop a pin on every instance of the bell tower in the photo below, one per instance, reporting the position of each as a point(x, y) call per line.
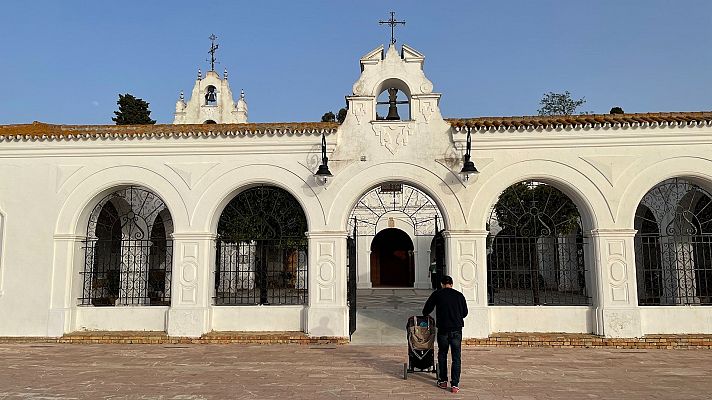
point(211, 100)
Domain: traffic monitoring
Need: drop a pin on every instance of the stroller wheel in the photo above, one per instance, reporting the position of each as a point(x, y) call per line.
point(405, 371)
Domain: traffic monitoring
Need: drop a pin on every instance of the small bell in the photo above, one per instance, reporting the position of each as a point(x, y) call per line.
point(392, 105)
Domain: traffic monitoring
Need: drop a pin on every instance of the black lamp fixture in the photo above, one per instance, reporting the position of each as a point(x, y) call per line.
point(468, 167)
point(323, 174)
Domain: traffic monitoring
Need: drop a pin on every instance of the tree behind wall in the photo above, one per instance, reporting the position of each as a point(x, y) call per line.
point(132, 111)
point(559, 104)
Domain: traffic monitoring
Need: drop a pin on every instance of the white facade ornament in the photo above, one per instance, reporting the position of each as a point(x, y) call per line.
point(392, 135)
point(211, 101)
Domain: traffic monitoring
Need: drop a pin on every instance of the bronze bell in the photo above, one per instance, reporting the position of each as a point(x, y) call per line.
point(392, 105)
point(210, 96)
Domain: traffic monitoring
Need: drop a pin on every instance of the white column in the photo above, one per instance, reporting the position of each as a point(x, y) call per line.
point(615, 295)
point(327, 314)
point(66, 285)
point(192, 277)
point(466, 255)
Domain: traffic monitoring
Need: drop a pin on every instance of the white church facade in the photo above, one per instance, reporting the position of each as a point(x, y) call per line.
point(580, 224)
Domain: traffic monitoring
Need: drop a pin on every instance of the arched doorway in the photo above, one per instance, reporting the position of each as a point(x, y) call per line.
point(392, 262)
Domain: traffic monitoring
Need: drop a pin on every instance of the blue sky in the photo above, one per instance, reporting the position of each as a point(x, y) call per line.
point(66, 61)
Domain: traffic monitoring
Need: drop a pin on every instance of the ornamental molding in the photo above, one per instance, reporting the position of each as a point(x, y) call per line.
point(393, 135)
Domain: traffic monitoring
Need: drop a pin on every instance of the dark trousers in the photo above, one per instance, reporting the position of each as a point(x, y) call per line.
point(453, 341)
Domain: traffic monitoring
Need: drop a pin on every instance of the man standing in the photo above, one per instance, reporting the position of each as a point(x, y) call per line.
point(450, 311)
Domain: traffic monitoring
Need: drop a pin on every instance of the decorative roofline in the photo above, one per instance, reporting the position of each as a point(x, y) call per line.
point(38, 131)
point(585, 120)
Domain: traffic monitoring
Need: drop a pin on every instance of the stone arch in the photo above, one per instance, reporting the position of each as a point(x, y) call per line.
point(392, 259)
point(124, 235)
point(262, 249)
point(693, 169)
point(74, 213)
point(414, 175)
point(588, 198)
point(536, 250)
point(674, 261)
point(221, 186)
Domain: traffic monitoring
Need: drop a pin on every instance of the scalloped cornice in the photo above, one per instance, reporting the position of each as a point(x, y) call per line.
point(38, 131)
point(673, 119)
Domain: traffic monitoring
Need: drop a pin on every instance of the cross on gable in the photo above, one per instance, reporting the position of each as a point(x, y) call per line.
point(213, 48)
point(392, 22)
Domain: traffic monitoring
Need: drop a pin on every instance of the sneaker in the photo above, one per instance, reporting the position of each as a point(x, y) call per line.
point(442, 384)
point(455, 389)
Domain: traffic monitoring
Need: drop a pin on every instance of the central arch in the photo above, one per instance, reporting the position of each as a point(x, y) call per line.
point(392, 259)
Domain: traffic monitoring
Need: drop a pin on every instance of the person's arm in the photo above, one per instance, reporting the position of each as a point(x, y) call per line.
point(429, 305)
point(464, 307)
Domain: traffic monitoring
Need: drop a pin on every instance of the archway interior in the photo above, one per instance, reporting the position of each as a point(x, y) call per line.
point(673, 245)
point(261, 249)
point(392, 262)
point(535, 253)
point(128, 250)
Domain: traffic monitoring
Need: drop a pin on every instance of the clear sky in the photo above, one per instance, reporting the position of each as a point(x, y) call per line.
point(66, 61)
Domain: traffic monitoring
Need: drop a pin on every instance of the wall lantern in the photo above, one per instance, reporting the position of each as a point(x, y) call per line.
point(468, 167)
point(323, 175)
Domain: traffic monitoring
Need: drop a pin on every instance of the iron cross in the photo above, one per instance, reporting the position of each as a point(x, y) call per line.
point(392, 22)
point(213, 47)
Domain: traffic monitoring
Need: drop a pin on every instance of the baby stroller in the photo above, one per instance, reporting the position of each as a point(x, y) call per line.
point(421, 345)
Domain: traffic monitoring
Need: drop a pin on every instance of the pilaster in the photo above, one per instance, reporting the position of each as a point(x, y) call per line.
point(327, 314)
point(193, 255)
point(466, 254)
point(616, 295)
point(66, 246)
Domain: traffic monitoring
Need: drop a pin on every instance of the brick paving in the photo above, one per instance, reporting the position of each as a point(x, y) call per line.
point(238, 371)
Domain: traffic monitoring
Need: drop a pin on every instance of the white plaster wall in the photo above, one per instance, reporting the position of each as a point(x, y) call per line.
point(48, 187)
point(258, 318)
point(676, 319)
point(121, 319)
point(562, 319)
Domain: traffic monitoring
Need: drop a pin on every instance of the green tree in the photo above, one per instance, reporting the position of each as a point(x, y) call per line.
point(132, 111)
point(328, 117)
point(559, 104)
point(341, 116)
point(331, 117)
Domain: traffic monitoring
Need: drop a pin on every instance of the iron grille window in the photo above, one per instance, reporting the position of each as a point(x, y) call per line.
point(262, 250)
point(261, 272)
point(535, 252)
point(127, 253)
point(674, 263)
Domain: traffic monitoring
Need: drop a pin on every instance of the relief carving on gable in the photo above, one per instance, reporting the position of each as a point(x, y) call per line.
point(393, 136)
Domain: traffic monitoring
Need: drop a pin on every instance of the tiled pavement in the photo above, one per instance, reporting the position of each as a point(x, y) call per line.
point(63, 371)
point(382, 314)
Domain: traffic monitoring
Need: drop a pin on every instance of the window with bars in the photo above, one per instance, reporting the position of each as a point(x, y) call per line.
point(262, 250)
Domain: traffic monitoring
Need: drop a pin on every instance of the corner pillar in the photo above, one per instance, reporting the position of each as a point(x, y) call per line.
point(616, 300)
point(327, 314)
point(193, 255)
point(466, 254)
point(67, 249)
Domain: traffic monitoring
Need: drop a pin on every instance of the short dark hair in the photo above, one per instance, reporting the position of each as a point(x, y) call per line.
point(446, 280)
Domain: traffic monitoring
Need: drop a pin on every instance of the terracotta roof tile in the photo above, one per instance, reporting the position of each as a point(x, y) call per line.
point(582, 120)
point(42, 131)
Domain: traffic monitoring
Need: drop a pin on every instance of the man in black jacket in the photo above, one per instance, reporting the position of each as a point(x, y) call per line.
point(450, 311)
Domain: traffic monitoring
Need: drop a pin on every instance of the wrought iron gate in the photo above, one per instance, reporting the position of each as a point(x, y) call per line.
point(673, 245)
point(351, 286)
point(262, 250)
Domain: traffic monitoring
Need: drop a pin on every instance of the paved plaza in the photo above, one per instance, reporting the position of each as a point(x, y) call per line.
point(64, 371)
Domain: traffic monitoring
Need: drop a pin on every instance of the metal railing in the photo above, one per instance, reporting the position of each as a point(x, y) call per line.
point(127, 272)
point(261, 272)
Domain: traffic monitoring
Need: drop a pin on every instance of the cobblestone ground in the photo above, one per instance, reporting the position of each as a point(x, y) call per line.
point(59, 371)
